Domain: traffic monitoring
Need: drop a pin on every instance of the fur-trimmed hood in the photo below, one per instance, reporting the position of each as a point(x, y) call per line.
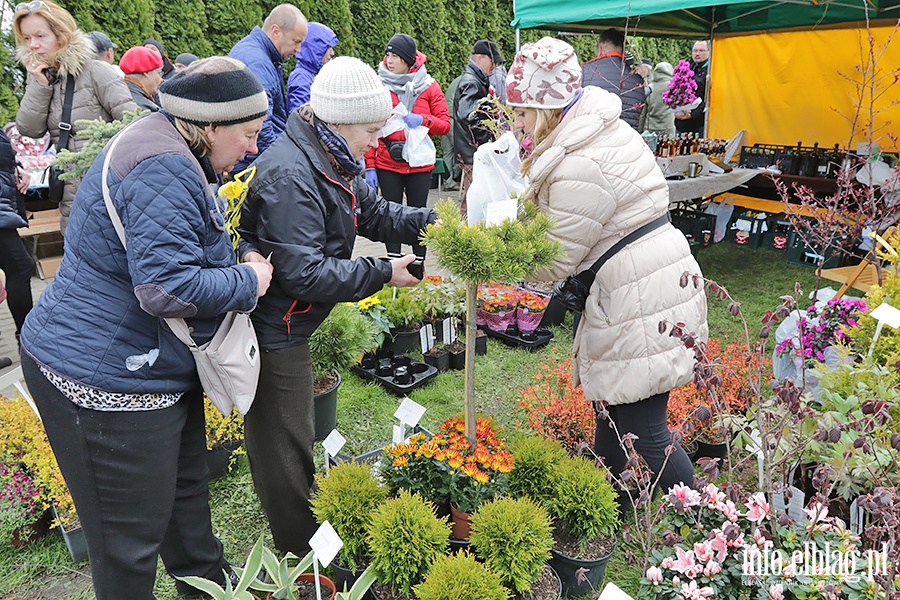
point(71, 58)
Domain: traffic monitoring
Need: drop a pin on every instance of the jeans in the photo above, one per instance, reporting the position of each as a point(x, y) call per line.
point(139, 482)
point(18, 265)
point(416, 185)
point(647, 420)
point(279, 432)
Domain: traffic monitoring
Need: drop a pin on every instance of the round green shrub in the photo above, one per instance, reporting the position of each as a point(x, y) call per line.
point(340, 340)
point(535, 458)
point(584, 504)
point(514, 537)
point(404, 538)
point(460, 577)
point(346, 498)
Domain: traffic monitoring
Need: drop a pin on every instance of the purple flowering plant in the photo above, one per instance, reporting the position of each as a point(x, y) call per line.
point(822, 327)
point(682, 89)
point(20, 503)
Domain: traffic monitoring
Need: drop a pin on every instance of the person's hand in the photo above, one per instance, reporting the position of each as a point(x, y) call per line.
point(400, 276)
point(372, 178)
point(263, 272)
point(413, 120)
point(22, 180)
point(36, 69)
point(254, 256)
point(682, 115)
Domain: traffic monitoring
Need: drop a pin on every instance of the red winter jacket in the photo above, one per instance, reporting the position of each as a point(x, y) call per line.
point(432, 105)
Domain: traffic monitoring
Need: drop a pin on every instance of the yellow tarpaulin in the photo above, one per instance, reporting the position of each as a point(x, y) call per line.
point(790, 86)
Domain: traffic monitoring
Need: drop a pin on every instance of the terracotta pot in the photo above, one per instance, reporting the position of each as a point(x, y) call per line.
point(461, 523)
point(27, 534)
point(329, 590)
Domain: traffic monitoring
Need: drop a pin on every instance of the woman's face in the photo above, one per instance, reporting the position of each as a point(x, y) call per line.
point(359, 136)
point(38, 36)
point(395, 64)
point(525, 119)
point(231, 143)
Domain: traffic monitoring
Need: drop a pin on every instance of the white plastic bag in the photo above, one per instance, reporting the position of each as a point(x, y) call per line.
point(496, 176)
point(418, 150)
point(722, 211)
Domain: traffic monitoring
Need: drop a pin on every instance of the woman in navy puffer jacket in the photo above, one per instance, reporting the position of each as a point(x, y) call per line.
point(118, 393)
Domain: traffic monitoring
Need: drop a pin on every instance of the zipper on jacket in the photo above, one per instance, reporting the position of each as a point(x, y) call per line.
point(352, 199)
point(290, 311)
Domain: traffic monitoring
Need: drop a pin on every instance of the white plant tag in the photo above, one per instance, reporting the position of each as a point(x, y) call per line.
point(612, 592)
point(409, 412)
point(325, 543)
point(857, 517)
point(501, 210)
point(794, 508)
point(887, 313)
point(334, 442)
point(449, 333)
point(397, 434)
point(424, 339)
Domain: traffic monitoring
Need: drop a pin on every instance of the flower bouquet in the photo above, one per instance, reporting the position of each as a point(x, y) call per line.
point(680, 94)
point(477, 473)
point(530, 309)
point(821, 328)
point(497, 304)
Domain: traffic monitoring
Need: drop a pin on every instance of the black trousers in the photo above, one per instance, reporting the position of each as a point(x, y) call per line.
point(18, 265)
point(139, 482)
point(647, 420)
point(279, 432)
point(416, 186)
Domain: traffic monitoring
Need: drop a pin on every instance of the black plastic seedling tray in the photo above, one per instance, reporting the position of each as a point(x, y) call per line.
point(398, 373)
point(513, 337)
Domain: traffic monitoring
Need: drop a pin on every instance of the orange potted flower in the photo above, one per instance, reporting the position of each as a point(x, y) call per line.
point(530, 309)
point(497, 306)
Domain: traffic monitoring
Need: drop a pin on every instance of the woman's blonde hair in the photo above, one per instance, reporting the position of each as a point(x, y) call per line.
point(546, 121)
point(194, 135)
point(61, 23)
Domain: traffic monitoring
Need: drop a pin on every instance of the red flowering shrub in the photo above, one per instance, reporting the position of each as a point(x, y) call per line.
point(556, 409)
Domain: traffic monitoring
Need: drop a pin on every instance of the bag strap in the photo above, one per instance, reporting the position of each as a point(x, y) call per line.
point(588, 275)
point(178, 326)
point(65, 126)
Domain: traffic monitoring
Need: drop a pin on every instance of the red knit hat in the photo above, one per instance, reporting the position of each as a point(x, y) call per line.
point(140, 60)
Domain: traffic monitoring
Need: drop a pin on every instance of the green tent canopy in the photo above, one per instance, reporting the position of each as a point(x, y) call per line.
point(695, 18)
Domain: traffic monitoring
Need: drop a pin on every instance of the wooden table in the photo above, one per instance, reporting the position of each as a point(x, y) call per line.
point(42, 222)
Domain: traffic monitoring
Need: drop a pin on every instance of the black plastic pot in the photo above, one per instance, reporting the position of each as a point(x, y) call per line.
point(566, 568)
point(326, 410)
point(345, 578)
point(555, 314)
point(405, 341)
point(458, 360)
point(218, 460)
point(441, 361)
point(480, 345)
point(708, 450)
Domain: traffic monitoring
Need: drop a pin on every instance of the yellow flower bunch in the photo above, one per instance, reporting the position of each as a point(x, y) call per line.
point(367, 303)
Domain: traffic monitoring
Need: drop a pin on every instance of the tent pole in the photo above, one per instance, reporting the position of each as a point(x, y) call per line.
point(518, 41)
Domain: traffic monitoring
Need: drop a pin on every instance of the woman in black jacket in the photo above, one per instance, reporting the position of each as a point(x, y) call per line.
point(15, 261)
point(305, 206)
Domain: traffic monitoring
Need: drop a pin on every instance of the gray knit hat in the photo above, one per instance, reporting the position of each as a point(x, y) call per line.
point(347, 90)
point(214, 91)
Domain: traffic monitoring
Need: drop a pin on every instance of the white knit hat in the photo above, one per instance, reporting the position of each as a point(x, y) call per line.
point(347, 90)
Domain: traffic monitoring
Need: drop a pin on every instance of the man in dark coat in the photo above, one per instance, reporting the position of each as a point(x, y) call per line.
point(468, 131)
point(264, 51)
point(693, 121)
point(611, 72)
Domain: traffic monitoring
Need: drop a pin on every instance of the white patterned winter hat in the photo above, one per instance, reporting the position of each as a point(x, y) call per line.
point(544, 74)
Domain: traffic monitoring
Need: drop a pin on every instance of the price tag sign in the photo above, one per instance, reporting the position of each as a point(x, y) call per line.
point(325, 543)
point(888, 314)
point(334, 442)
point(409, 412)
point(449, 330)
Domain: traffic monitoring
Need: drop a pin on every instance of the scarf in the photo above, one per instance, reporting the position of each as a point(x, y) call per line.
point(335, 147)
point(407, 86)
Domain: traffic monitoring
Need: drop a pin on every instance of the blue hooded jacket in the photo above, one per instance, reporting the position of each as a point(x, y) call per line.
point(258, 52)
point(318, 40)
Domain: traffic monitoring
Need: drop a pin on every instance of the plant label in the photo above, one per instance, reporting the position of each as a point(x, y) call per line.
point(409, 412)
point(793, 507)
point(334, 442)
point(397, 435)
point(449, 330)
point(325, 543)
point(888, 314)
point(612, 592)
point(426, 337)
point(857, 517)
point(501, 210)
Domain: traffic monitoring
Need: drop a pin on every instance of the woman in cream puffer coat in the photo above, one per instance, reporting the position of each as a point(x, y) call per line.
point(52, 48)
point(594, 175)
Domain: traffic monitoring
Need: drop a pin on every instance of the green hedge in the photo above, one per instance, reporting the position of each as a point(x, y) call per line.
point(444, 29)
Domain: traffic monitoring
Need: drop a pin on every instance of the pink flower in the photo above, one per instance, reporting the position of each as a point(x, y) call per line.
point(730, 511)
point(776, 591)
point(691, 591)
point(681, 496)
point(758, 508)
point(712, 568)
point(685, 563)
point(816, 513)
point(667, 562)
point(704, 551)
point(719, 543)
point(713, 496)
point(654, 575)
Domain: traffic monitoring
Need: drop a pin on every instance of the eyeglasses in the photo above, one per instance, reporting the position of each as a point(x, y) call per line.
point(30, 6)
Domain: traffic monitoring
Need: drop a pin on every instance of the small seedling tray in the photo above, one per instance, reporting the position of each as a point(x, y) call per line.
point(386, 371)
point(513, 337)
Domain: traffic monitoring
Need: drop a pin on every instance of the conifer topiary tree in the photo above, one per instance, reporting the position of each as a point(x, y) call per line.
point(374, 22)
point(228, 22)
point(184, 27)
